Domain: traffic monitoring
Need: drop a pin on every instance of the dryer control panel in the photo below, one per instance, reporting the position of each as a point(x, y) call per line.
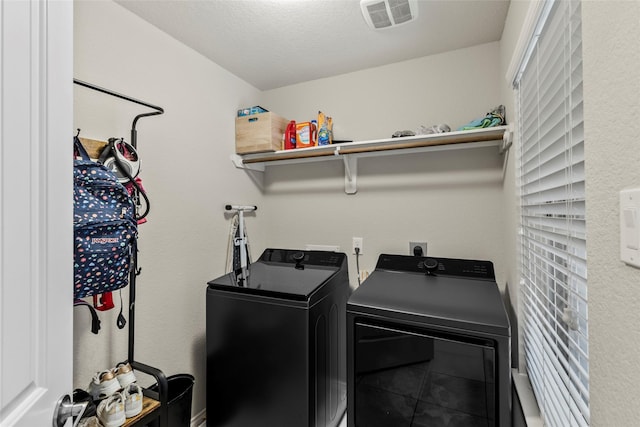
point(438, 266)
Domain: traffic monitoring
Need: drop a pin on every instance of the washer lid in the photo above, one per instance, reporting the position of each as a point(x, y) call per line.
point(461, 303)
point(285, 274)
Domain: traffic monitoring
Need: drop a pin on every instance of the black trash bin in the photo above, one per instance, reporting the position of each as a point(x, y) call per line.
point(178, 401)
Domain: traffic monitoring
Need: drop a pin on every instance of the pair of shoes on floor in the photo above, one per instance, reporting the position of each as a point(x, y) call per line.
point(107, 382)
point(115, 409)
point(119, 395)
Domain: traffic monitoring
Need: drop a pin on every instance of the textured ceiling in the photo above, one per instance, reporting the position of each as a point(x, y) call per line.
point(275, 43)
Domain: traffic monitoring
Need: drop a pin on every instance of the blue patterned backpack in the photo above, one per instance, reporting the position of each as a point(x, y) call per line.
point(105, 228)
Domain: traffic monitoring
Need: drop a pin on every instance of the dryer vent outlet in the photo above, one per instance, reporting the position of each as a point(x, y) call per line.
point(380, 14)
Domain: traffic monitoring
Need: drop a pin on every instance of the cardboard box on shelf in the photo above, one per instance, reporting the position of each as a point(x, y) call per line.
point(259, 133)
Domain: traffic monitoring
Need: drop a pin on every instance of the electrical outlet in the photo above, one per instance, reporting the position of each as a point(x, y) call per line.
point(422, 245)
point(357, 243)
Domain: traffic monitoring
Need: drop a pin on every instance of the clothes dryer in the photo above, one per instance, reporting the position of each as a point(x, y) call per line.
point(428, 343)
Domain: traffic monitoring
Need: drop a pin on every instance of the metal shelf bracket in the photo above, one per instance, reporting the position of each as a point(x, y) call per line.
point(350, 174)
point(237, 161)
point(507, 140)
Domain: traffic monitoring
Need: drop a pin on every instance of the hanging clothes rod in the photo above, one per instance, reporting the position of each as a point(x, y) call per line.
point(134, 133)
point(134, 270)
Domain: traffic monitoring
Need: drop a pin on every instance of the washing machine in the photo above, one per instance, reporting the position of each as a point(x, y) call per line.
point(428, 344)
point(276, 342)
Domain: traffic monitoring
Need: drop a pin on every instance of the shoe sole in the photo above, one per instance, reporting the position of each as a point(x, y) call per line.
point(133, 412)
point(113, 423)
point(133, 405)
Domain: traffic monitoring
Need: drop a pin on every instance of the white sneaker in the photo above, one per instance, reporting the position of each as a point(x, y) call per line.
point(111, 411)
point(124, 374)
point(90, 422)
point(132, 400)
point(103, 384)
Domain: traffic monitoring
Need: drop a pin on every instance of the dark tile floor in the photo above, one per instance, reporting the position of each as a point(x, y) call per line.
point(423, 395)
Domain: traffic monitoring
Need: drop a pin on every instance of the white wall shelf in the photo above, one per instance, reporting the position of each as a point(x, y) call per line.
point(349, 153)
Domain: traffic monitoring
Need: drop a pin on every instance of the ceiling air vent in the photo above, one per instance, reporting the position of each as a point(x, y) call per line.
point(381, 14)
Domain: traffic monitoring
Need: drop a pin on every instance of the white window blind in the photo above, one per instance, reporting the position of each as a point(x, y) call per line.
point(553, 238)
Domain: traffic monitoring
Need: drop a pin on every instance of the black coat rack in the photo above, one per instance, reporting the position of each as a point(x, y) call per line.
point(162, 392)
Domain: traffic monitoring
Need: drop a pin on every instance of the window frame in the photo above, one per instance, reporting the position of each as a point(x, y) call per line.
point(534, 26)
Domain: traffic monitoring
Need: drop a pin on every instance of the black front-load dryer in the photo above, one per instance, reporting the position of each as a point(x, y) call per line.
point(428, 344)
point(276, 346)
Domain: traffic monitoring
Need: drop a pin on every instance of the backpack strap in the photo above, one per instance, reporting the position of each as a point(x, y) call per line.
point(121, 321)
point(95, 321)
point(81, 150)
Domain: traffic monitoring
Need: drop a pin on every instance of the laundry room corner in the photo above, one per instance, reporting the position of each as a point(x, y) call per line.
point(452, 200)
point(186, 172)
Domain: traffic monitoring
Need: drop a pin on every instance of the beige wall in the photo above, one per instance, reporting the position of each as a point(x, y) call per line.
point(611, 52)
point(454, 88)
point(186, 171)
point(452, 200)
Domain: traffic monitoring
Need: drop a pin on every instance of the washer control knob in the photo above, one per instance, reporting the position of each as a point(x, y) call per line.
point(430, 265)
point(298, 257)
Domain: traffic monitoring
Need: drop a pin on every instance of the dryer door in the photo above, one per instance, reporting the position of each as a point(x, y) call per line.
point(420, 378)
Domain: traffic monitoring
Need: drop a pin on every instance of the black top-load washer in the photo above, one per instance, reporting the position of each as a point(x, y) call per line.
point(276, 346)
point(428, 346)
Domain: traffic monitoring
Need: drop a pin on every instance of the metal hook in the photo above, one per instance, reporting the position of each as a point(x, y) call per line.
point(78, 134)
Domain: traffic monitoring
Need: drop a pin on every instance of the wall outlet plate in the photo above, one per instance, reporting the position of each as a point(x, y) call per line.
point(423, 245)
point(630, 226)
point(357, 243)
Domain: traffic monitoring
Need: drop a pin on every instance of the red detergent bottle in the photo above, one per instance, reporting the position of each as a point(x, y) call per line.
point(290, 136)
